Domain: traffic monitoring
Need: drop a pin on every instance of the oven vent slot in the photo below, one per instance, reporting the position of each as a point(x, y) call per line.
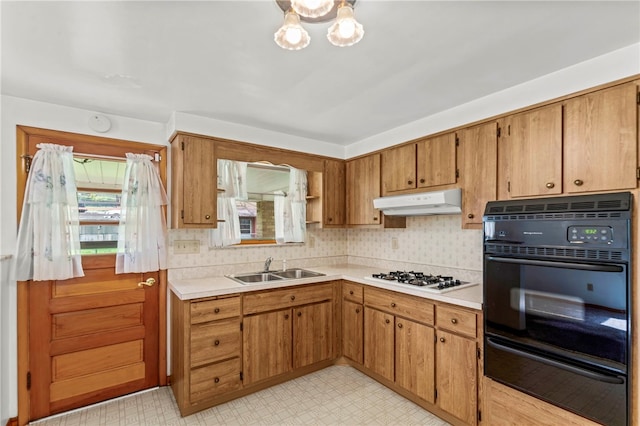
point(569, 253)
point(534, 207)
point(580, 215)
point(595, 203)
point(558, 206)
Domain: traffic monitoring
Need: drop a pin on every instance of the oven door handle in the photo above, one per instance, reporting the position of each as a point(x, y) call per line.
point(552, 264)
point(577, 370)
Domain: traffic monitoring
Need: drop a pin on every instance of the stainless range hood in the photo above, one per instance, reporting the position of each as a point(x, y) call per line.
point(421, 204)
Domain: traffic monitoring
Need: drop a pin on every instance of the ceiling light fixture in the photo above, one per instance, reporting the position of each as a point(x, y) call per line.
point(345, 31)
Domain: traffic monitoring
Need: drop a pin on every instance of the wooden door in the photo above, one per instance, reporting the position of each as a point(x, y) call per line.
point(478, 171)
point(312, 334)
point(601, 140)
point(363, 185)
point(379, 343)
point(334, 194)
point(456, 376)
point(436, 159)
point(415, 361)
point(530, 149)
point(353, 331)
point(266, 345)
point(399, 168)
point(91, 338)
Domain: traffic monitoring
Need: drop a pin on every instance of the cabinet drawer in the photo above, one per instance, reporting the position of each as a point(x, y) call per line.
point(212, 310)
point(415, 308)
point(352, 291)
point(279, 299)
point(215, 341)
point(456, 320)
point(215, 379)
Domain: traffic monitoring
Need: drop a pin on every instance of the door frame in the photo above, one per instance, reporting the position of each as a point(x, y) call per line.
point(23, 134)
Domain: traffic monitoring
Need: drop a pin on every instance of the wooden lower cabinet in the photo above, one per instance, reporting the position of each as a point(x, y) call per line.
point(379, 345)
point(415, 362)
point(353, 331)
point(312, 334)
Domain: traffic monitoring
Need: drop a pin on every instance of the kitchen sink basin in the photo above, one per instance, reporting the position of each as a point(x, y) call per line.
point(297, 273)
point(261, 277)
point(254, 277)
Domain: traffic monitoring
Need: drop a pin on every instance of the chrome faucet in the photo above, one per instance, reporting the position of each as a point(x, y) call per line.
point(267, 264)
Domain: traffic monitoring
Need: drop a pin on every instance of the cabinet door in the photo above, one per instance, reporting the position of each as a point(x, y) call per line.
point(436, 161)
point(601, 140)
point(334, 193)
point(415, 361)
point(363, 185)
point(530, 147)
point(195, 180)
point(312, 334)
point(456, 376)
point(266, 342)
point(353, 331)
point(399, 168)
point(378, 343)
point(478, 171)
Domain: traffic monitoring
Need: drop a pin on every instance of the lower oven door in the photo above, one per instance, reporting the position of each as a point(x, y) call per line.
point(596, 393)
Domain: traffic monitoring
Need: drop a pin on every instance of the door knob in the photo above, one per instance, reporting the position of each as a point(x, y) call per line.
point(149, 282)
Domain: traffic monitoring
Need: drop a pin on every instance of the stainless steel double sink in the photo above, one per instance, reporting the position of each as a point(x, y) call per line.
point(260, 277)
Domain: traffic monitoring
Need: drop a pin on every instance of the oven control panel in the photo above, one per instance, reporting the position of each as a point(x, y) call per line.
point(590, 234)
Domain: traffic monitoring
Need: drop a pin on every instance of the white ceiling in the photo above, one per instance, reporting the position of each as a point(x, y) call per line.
point(217, 58)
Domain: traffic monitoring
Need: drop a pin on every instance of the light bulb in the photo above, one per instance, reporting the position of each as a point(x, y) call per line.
point(293, 35)
point(346, 27)
point(346, 31)
point(312, 8)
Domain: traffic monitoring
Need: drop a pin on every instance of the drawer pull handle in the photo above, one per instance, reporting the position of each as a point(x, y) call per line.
point(387, 321)
point(393, 305)
point(578, 182)
point(470, 216)
point(422, 180)
point(375, 218)
point(216, 343)
point(351, 292)
point(357, 310)
point(550, 185)
point(208, 217)
point(442, 339)
point(216, 380)
point(409, 182)
point(299, 314)
point(454, 321)
point(216, 311)
point(399, 325)
point(293, 298)
point(286, 316)
point(149, 282)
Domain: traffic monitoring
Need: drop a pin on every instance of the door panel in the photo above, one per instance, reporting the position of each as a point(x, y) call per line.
point(91, 338)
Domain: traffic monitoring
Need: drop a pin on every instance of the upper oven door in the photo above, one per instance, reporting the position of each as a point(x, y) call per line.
point(572, 309)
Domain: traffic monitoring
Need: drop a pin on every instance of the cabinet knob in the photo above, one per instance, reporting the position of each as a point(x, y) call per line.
point(550, 185)
point(442, 339)
point(216, 343)
point(454, 321)
point(207, 217)
point(216, 380)
point(578, 182)
point(409, 182)
point(387, 321)
point(293, 298)
point(393, 304)
point(351, 292)
point(375, 218)
point(399, 325)
point(357, 310)
point(286, 316)
point(470, 216)
point(299, 314)
point(330, 219)
point(216, 311)
point(422, 180)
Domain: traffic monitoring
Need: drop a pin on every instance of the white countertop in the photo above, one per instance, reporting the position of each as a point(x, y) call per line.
point(187, 289)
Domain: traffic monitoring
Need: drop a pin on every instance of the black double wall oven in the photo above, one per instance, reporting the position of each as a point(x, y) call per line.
point(557, 301)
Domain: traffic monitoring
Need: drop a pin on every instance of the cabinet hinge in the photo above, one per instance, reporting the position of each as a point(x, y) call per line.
point(27, 162)
point(478, 351)
point(498, 132)
point(509, 186)
point(157, 157)
point(435, 392)
point(241, 376)
point(457, 141)
point(509, 130)
point(241, 327)
point(181, 214)
point(182, 145)
point(29, 380)
point(638, 98)
point(638, 173)
point(457, 173)
point(479, 416)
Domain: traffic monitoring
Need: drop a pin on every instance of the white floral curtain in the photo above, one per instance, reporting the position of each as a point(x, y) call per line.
point(142, 232)
point(48, 246)
point(232, 181)
point(291, 209)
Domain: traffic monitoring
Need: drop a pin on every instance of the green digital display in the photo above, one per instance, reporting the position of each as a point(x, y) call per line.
point(590, 231)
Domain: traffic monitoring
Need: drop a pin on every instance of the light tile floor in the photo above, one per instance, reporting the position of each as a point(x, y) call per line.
point(338, 395)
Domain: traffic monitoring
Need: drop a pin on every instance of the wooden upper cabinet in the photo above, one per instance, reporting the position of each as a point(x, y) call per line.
point(436, 161)
point(478, 151)
point(334, 194)
point(363, 185)
point(426, 163)
point(601, 140)
point(194, 183)
point(530, 147)
point(399, 168)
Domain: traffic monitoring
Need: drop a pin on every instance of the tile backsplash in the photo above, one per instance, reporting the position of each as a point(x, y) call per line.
point(434, 244)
